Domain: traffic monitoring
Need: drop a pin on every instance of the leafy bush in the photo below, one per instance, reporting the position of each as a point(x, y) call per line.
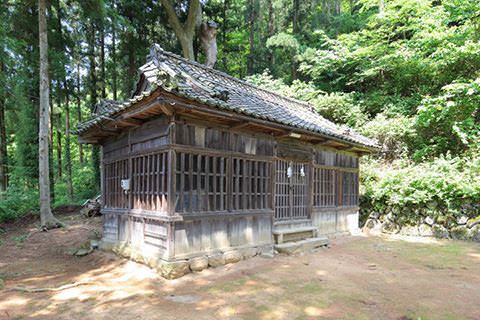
point(394, 133)
point(445, 180)
point(18, 202)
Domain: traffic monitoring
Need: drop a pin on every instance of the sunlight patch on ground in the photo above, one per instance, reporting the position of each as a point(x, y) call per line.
point(13, 302)
point(227, 312)
point(321, 272)
point(314, 311)
point(411, 239)
point(475, 255)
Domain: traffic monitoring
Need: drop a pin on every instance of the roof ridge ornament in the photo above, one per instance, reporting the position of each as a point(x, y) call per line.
point(156, 53)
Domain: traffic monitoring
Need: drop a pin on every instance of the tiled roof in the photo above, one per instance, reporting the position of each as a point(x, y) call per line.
point(196, 82)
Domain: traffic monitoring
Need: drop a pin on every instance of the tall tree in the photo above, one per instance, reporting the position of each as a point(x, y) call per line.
point(184, 31)
point(3, 140)
point(47, 219)
point(68, 160)
point(252, 33)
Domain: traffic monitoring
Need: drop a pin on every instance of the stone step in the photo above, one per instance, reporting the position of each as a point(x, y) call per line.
point(294, 234)
point(302, 245)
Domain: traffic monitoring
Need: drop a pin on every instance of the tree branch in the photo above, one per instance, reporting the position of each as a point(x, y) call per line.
point(192, 15)
point(173, 18)
point(67, 286)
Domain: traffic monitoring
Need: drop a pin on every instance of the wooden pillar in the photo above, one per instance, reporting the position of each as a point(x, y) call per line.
point(171, 164)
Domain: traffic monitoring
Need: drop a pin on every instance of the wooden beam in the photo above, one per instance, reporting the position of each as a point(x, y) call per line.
point(87, 140)
point(283, 134)
point(166, 109)
point(130, 122)
point(240, 125)
point(322, 142)
point(154, 104)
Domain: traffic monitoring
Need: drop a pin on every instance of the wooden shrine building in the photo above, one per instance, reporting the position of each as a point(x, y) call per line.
point(200, 168)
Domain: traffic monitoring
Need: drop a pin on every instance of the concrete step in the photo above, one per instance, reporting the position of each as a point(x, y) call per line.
point(302, 245)
point(294, 234)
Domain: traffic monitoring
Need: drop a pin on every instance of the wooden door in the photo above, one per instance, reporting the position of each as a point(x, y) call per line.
point(291, 190)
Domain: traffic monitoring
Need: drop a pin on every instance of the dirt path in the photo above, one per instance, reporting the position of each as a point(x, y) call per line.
point(366, 277)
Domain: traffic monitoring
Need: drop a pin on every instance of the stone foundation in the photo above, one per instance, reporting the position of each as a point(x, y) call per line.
point(178, 268)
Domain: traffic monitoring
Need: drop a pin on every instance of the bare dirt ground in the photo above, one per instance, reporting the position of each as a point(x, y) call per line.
point(364, 277)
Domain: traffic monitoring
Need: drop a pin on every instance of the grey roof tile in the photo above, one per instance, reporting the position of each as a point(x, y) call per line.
point(199, 83)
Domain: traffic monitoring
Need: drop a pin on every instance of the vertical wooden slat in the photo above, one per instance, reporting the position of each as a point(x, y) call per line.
point(199, 179)
point(207, 186)
point(182, 181)
point(229, 183)
point(170, 172)
point(164, 198)
point(190, 177)
point(214, 187)
point(245, 183)
point(148, 172)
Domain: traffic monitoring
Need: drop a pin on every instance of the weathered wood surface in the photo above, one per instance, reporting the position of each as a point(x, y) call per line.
point(226, 187)
point(194, 237)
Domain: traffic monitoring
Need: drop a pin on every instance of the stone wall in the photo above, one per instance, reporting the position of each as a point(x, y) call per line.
point(432, 219)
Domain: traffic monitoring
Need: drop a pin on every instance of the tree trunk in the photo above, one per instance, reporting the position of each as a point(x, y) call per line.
point(93, 102)
point(68, 160)
point(114, 60)
point(58, 133)
point(208, 41)
point(46, 217)
point(252, 33)
point(224, 36)
point(59, 150)
point(295, 16)
point(270, 32)
point(131, 58)
point(295, 31)
point(185, 32)
point(102, 59)
point(3, 141)
point(79, 113)
point(352, 7)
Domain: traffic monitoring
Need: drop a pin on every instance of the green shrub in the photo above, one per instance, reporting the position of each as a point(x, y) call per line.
point(445, 181)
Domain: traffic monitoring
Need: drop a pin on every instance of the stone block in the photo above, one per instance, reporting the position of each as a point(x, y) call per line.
point(216, 260)
point(232, 256)
point(174, 269)
point(459, 233)
point(249, 253)
point(425, 230)
point(198, 264)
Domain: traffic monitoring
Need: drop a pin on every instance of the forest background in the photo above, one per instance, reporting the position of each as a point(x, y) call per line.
point(403, 71)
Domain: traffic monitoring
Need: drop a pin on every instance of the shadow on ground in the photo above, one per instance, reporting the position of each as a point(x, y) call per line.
point(364, 277)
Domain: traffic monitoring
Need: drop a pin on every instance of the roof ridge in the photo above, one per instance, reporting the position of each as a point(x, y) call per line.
point(221, 73)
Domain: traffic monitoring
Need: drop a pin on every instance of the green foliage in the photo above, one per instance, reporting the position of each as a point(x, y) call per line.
point(449, 121)
point(18, 202)
point(445, 180)
point(393, 132)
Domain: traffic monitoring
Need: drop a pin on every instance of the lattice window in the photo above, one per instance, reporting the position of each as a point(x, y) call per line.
point(250, 184)
point(149, 182)
point(200, 183)
point(349, 188)
point(291, 197)
point(113, 173)
point(324, 187)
